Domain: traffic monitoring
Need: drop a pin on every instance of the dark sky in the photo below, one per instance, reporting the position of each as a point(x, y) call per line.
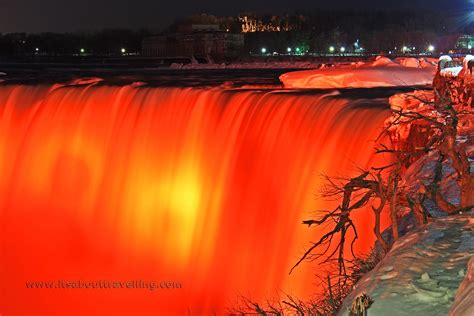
point(68, 15)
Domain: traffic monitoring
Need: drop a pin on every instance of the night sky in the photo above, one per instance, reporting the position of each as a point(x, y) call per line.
point(67, 15)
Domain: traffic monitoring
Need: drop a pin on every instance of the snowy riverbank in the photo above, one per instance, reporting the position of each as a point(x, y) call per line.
point(422, 272)
point(250, 65)
point(382, 72)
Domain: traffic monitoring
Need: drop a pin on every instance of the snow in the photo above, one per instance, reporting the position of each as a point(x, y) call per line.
point(445, 59)
point(408, 62)
point(464, 301)
point(467, 59)
point(382, 72)
point(250, 65)
point(422, 272)
point(451, 71)
point(381, 61)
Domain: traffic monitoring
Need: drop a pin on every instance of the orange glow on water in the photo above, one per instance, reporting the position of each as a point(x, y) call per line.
point(201, 186)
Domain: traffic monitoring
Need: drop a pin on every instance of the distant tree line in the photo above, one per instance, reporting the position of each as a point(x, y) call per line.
point(374, 31)
point(312, 32)
point(109, 42)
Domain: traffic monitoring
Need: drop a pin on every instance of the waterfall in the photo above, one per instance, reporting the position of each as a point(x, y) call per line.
point(202, 186)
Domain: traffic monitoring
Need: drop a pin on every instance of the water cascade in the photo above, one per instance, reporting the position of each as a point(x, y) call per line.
point(205, 187)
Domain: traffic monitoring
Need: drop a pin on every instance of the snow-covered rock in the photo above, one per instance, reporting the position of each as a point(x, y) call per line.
point(451, 71)
point(455, 71)
point(466, 60)
point(422, 272)
point(408, 62)
point(382, 72)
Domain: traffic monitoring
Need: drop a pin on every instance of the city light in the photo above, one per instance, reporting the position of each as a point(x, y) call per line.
point(343, 49)
point(431, 48)
point(288, 49)
point(331, 49)
point(469, 46)
point(37, 49)
point(82, 50)
point(123, 50)
point(297, 49)
point(263, 50)
point(404, 49)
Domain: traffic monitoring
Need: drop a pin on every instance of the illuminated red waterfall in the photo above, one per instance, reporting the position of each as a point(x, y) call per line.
point(206, 187)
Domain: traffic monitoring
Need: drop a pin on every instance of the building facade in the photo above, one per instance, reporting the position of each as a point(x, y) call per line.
point(215, 44)
point(465, 43)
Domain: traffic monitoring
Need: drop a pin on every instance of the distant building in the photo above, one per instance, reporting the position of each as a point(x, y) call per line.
point(215, 44)
point(251, 22)
point(465, 43)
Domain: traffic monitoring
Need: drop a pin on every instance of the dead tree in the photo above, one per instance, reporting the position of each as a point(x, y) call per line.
point(355, 193)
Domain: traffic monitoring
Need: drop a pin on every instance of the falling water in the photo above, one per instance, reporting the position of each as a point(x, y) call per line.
point(206, 187)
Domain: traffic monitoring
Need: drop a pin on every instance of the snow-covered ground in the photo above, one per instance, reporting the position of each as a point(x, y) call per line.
point(251, 65)
point(464, 301)
point(382, 72)
point(422, 272)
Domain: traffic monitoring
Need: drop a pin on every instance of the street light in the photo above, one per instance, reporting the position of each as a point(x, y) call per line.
point(431, 48)
point(331, 49)
point(123, 50)
point(83, 50)
point(288, 49)
point(343, 49)
point(264, 50)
